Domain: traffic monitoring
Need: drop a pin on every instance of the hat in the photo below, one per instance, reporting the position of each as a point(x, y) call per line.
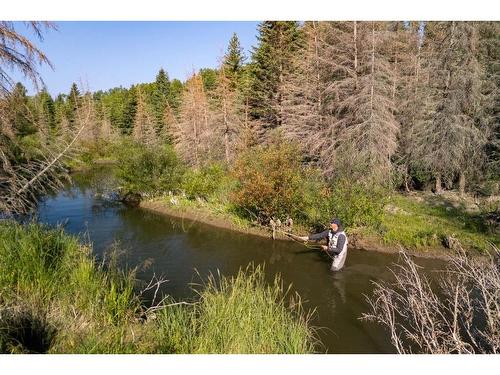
point(335, 221)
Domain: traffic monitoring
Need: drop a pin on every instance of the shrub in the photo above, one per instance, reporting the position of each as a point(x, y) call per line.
point(357, 204)
point(149, 170)
point(203, 182)
point(269, 182)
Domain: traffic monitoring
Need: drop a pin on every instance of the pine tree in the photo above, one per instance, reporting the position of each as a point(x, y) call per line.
point(161, 94)
point(308, 117)
point(18, 112)
point(233, 61)
point(278, 43)
point(340, 99)
point(47, 110)
point(489, 57)
point(127, 110)
point(72, 105)
point(176, 91)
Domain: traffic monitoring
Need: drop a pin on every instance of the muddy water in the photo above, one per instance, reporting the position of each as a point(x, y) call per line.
point(183, 250)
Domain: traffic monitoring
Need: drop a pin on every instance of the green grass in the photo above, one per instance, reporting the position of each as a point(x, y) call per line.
point(241, 314)
point(427, 222)
point(55, 298)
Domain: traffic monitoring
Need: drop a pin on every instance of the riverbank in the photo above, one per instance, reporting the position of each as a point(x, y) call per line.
point(360, 238)
point(101, 308)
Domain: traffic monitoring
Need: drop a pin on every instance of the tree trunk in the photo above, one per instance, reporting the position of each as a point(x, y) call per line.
point(461, 184)
point(439, 189)
point(355, 54)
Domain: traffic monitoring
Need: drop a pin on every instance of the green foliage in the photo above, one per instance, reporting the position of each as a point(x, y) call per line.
point(270, 182)
point(150, 170)
point(203, 182)
point(357, 204)
point(242, 314)
point(278, 42)
point(209, 78)
point(176, 90)
point(160, 97)
point(72, 104)
point(233, 61)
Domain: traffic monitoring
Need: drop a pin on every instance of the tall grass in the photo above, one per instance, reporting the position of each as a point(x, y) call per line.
point(55, 298)
point(49, 278)
point(241, 314)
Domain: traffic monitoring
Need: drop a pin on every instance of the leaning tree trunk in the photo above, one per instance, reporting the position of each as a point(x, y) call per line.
point(461, 183)
point(439, 189)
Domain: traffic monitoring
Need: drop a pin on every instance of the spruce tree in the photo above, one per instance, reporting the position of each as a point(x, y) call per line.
point(128, 112)
point(176, 90)
point(233, 61)
point(271, 60)
point(48, 109)
point(161, 94)
point(72, 105)
point(18, 112)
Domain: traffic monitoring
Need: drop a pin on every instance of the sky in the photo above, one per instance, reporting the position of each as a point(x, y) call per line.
point(103, 55)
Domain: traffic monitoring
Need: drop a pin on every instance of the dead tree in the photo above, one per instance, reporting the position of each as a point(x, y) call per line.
point(23, 183)
point(459, 315)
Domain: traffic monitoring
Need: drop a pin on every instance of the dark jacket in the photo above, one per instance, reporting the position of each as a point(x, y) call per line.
point(324, 235)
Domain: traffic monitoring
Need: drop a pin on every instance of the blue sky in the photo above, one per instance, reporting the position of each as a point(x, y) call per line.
point(111, 54)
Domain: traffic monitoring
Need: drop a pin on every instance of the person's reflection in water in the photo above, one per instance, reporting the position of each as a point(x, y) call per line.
point(339, 283)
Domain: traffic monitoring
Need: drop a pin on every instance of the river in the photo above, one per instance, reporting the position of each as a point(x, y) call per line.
point(183, 251)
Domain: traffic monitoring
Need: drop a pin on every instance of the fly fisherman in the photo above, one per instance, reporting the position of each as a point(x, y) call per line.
point(336, 245)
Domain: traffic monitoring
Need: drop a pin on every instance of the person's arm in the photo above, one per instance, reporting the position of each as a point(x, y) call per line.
point(318, 236)
point(314, 237)
point(340, 245)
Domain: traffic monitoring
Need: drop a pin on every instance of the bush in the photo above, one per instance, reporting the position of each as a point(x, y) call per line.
point(270, 181)
point(203, 182)
point(150, 170)
point(357, 204)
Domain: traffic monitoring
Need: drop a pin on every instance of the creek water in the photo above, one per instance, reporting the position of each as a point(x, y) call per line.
point(184, 251)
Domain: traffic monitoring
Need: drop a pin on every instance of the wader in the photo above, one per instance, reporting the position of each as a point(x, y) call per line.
point(338, 259)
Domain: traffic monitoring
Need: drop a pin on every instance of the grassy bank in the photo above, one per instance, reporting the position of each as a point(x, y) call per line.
point(420, 222)
point(55, 298)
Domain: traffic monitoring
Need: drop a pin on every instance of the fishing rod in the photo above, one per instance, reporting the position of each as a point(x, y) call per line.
point(296, 239)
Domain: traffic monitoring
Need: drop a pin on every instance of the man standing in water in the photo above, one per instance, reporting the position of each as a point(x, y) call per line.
point(336, 245)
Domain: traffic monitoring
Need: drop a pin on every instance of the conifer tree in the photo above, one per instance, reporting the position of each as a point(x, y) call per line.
point(448, 139)
point(271, 59)
point(161, 94)
point(227, 116)
point(18, 112)
point(193, 130)
point(233, 61)
point(72, 104)
point(47, 109)
point(176, 91)
point(127, 113)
